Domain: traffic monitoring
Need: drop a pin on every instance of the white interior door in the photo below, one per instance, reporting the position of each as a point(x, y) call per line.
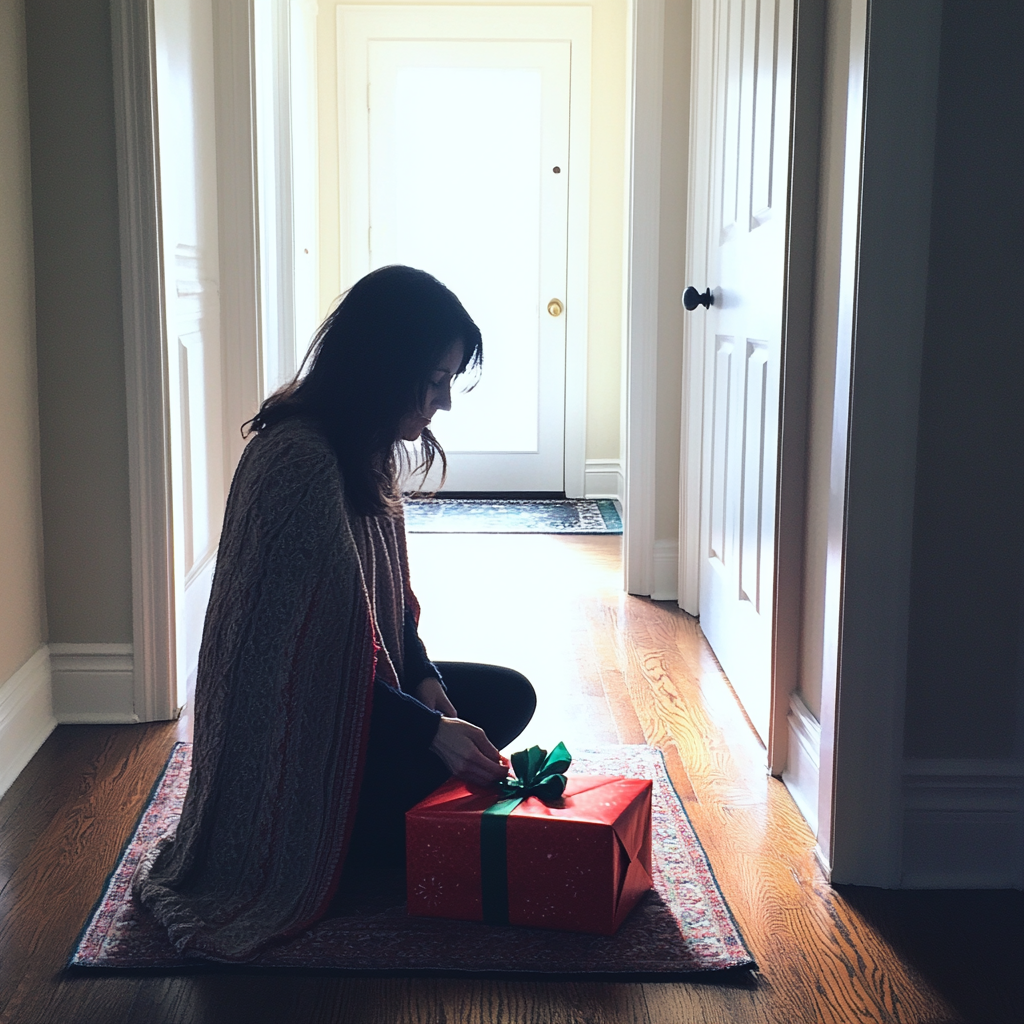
point(744, 123)
point(188, 198)
point(457, 157)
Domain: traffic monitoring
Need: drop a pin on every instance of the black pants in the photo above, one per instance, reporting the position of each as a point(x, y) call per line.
point(499, 700)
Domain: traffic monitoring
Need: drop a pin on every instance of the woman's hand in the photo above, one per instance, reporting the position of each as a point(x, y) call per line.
point(468, 753)
point(431, 693)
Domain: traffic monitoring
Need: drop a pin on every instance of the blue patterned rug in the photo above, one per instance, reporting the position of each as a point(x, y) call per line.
point(511, 515)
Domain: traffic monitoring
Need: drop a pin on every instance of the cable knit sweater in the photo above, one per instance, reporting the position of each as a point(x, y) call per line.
point(307, 621)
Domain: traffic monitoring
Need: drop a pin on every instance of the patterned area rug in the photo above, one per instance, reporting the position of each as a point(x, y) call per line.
point(681, 927)
point(511, 515)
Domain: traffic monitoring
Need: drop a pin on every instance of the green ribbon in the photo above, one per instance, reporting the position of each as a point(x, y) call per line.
point(537, 773)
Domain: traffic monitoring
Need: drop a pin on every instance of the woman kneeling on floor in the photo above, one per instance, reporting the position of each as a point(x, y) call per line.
point(319, 719)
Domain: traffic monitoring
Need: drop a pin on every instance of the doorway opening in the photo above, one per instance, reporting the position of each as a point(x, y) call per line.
point(458, 139)
point(347, 101)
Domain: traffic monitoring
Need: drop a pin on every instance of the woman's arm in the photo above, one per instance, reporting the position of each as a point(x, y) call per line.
point(421, 677)
point(463, 747)
point(431, 693)
point(409, 722)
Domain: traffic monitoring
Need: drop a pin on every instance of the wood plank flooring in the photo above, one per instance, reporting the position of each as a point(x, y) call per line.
point(608, 668)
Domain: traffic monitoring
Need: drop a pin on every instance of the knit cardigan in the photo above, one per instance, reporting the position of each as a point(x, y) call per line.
point(307, 609)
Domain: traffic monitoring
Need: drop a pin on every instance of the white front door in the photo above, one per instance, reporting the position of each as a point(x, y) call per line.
point(744, 124)
point(456, 143)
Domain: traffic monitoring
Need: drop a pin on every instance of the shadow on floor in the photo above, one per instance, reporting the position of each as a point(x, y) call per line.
point(968, 944)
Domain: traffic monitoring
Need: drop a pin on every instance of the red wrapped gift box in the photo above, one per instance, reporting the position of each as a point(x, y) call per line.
point(579, 863)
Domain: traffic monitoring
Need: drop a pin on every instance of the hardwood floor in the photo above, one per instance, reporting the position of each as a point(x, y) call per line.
point(608, 668)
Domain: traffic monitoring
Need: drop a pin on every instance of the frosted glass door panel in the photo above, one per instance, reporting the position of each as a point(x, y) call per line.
point(463, 140)
point(467, 207)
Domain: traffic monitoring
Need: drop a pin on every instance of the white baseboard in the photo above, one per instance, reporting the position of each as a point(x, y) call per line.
point(963, 824)
point(666, 570)
point(603, 478)
point(801, 773)
point(93, 683)
point(26, 716)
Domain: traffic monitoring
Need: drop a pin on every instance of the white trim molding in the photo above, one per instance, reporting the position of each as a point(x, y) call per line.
point(794, 370)
point(145, 344)
point(26, 716)
point(604, 479)
point(802, 773)
point(157, 590)
point(963, 824)
point(666, 571)
point(574, 471)
point(237, 223)
point(93, 684)
point(882, 292)
point(648, 29)
point(691, 422)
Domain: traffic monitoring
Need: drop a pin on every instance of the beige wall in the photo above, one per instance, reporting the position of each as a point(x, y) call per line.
point(22, 606)
point(607, 204)
point(675, 122)
point(82, 418)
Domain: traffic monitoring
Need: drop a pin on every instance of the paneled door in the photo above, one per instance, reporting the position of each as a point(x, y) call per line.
point(456, 129)
point(188, 201)
point(743, 106)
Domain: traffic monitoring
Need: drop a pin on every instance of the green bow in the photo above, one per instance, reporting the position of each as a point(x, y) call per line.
point(539, 774)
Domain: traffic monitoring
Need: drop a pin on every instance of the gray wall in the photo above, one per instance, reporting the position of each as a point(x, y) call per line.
point(83, 428)
point(964, 658)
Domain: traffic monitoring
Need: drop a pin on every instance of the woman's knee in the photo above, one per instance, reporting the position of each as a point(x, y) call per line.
point(519, 700)
point(522, 693)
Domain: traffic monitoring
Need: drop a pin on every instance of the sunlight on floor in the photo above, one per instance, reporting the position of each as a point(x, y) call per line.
point(531, 603)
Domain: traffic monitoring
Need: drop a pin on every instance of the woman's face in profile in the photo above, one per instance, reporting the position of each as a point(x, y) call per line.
point(438, 394)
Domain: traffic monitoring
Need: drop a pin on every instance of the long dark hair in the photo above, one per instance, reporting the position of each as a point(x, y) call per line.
point(367, 368)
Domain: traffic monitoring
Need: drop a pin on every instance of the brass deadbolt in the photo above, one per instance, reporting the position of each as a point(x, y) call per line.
point(555, 308)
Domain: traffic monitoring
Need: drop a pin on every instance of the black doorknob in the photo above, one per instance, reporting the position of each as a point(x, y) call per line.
point(693, 298)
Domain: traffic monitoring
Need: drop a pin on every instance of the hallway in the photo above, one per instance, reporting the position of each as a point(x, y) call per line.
point(608, 668)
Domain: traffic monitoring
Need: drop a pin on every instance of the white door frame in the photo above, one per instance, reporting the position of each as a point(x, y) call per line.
point(883, 286)
point(568, 22)
point(648, 63)
point(894, 70)
point(643, 241)
point(145, 348)
point(154, 611)
point(883, 276)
